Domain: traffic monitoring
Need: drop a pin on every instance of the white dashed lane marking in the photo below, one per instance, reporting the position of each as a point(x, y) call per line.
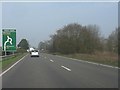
point(66, 68)
point(51, 60)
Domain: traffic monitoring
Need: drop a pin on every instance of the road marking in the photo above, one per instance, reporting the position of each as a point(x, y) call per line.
point(12, 66)
point(104, 65)
point(51, 60)
point(66, 68)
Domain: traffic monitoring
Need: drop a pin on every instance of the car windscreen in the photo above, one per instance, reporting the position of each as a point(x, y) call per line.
point(35, 50)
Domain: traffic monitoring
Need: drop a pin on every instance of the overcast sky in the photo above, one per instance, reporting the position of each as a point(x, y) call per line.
point(36, 21)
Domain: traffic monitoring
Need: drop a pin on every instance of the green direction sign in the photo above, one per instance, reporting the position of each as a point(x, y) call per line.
point(9, 40)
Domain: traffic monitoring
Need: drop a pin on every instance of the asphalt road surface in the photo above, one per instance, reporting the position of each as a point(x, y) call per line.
point(51, 71)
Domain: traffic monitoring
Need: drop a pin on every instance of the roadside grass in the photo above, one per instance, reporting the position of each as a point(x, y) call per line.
point(102, 58)
point(7, 62)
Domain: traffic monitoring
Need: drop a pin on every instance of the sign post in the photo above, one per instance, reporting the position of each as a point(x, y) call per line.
point(9, 40)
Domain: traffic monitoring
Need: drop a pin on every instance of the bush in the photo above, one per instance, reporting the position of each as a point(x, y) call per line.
point(20, 50)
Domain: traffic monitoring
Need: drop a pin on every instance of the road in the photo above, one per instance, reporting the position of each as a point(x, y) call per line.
point(52, 71)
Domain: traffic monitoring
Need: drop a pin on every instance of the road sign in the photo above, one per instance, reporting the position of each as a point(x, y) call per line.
point(9, 40)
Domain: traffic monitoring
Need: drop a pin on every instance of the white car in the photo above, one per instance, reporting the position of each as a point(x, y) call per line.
point(34, 53)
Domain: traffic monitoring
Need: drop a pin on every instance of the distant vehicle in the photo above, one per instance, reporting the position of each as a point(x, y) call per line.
point(31, 49)
point(34, 53)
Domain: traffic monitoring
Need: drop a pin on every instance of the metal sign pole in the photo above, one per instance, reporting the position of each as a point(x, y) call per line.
point(5, 48)
point(5, 53)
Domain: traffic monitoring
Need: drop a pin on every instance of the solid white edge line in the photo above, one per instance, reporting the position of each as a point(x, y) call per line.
point(90, 62)
point(12, 66)
point(66, 68)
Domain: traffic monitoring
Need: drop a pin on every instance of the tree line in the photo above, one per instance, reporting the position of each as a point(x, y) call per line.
point(75, 38)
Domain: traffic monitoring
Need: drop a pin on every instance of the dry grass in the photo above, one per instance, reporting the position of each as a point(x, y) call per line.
point(104, 58)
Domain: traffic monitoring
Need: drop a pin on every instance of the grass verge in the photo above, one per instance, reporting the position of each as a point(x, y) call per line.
point(7, 62)
point(102, 58)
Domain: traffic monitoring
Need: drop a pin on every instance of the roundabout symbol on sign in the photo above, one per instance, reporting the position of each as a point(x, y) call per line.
point(9, 40)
